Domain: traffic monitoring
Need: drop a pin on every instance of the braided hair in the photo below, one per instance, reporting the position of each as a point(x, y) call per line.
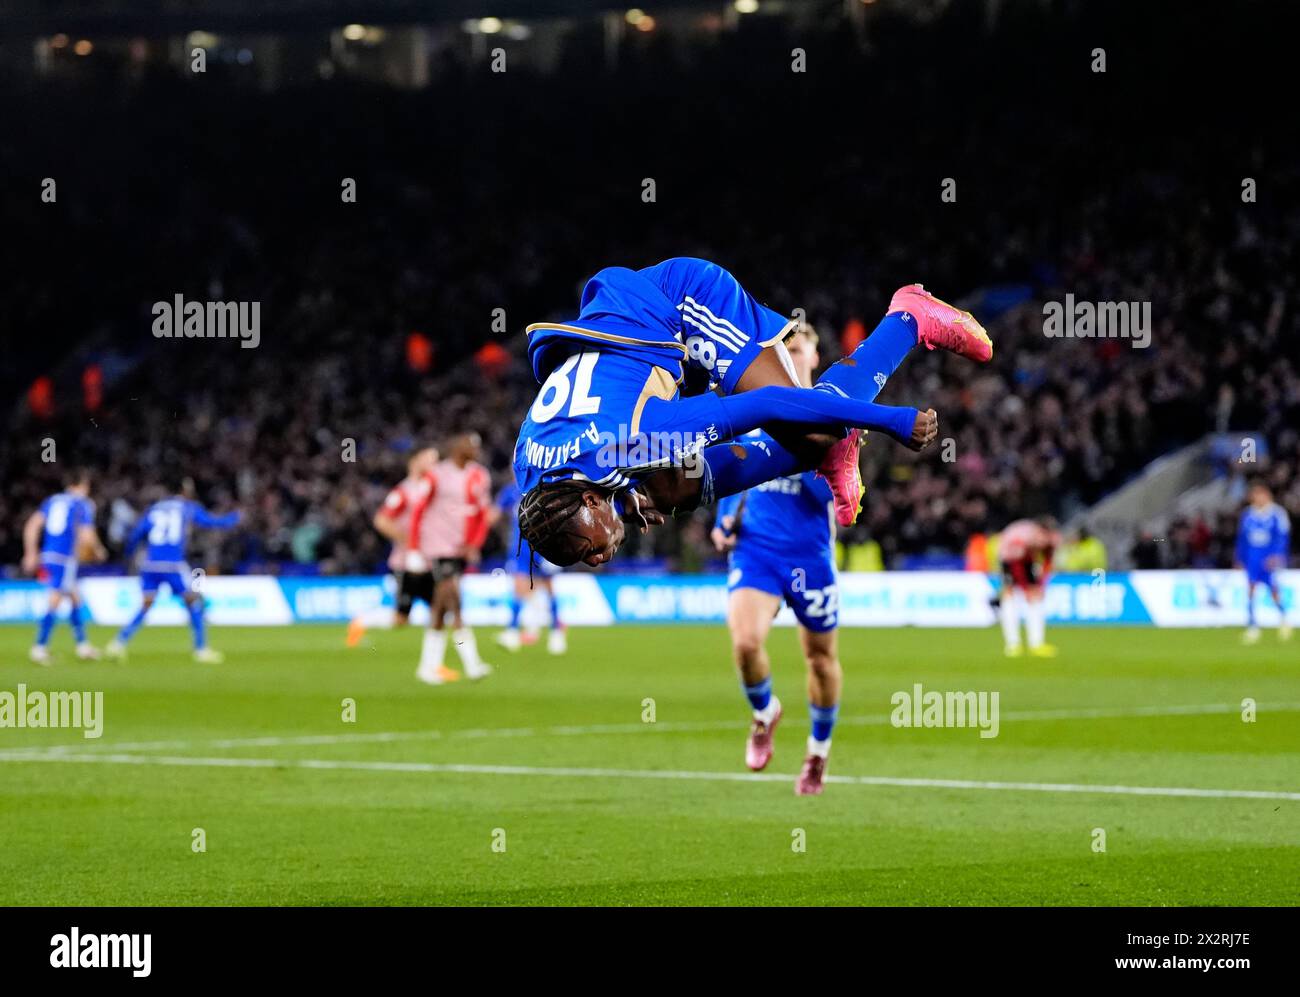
point(543, 514)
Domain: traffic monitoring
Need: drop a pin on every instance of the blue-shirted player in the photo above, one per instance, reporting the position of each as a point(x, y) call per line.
point(610, 435)
point(527, 571)
point(55, 538)
point(165, 530)
point(781, 538)
point(1263, 545)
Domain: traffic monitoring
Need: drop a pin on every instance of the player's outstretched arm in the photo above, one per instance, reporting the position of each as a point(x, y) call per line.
point(206, 519)
point(825, 408)
point(730, 468)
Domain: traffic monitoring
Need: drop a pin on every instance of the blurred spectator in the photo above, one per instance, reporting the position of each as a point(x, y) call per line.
point(1082, 552)
point(856, 551)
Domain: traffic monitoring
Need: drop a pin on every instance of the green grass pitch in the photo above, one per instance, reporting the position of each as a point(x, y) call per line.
point(543, 785)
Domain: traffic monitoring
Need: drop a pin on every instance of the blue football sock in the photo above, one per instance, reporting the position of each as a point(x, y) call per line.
point(863, 373)
point(823, 720)
point(516, 607)
point(128, 631)
point(44, 628)
point(78, 622)
point(555, 611)
point(1250, 605)
point(196, 624)
point(759, 694)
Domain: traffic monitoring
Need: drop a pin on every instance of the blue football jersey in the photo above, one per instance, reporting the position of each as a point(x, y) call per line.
point(784, 544)
point(1263, 534)
point(787, 518)
point(607, 374)
point(683, 312)
point(65, 514)
point(608, 417)
point(165, 528)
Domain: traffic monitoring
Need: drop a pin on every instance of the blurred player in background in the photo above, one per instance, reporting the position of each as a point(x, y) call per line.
point(1263, 544)
point(55, 538)
point(449, 523)
point(781, 542)
point(165, 530)
point(393, 522)
point(1026, 550)
point(527, 573)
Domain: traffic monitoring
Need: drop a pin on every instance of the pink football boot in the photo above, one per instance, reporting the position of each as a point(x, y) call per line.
point(758, 749)
point(809, 782)
point(941, 326)
point(840, 469)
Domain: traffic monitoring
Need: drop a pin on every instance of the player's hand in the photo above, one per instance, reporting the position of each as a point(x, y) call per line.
point(721, 540)
point(416, 563)
point(31, 563)
point(924, 431)
point(640, 510)
point(101, 554)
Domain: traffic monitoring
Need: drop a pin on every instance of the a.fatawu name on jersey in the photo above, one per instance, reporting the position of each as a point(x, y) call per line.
point(547, 457)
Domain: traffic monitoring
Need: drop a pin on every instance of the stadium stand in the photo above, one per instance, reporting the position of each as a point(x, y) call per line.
point(383, 314)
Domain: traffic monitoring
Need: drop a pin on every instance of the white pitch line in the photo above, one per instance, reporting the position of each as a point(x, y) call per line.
point(570, 730)
point(599, 773)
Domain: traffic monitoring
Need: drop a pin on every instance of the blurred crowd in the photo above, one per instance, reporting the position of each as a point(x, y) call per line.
point(1207, 539)
point(484, 202)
